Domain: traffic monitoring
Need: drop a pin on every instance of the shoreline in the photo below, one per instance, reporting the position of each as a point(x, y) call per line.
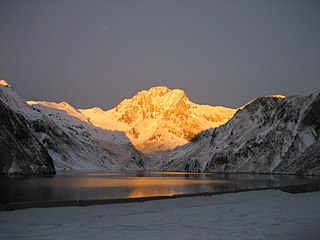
point(10, 206)
point(268, 214)
point(61, 172)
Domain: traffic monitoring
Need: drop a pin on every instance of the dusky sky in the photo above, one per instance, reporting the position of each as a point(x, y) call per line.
point(96, 53)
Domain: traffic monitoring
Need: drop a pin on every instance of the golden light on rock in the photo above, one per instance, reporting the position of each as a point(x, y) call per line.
point(159, 119)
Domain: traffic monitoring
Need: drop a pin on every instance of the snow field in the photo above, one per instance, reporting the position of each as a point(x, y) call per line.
point(268, 214)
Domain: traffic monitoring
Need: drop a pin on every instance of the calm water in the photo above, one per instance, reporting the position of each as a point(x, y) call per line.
point(106, 185)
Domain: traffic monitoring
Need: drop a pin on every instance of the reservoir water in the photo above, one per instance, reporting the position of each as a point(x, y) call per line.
point(114, 185)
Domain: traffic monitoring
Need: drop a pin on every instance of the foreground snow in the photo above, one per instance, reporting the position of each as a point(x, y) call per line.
point(267, 214)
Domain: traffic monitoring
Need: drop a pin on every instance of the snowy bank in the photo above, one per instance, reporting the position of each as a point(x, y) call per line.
point(269, 214)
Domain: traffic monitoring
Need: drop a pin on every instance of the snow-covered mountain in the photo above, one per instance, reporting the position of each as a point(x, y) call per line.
point(268, 135)
point(274, 134)
point(20, 150)
point(159, 119)
point(35, 135)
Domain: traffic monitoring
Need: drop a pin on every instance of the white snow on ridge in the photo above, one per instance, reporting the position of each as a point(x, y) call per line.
point(69, 137)
point(252, 215)
point(10, 97)
point(72, 120)
point(271, 134)
point(270, 96)
point(64, 106)
point(157, 119)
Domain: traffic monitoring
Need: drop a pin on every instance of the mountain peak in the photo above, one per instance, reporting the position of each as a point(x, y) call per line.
point(160, 118)
point(278, 96)
point(160, 91)
point(157, 91)
point(152, 102)
point(159, 96)
point(4, 83)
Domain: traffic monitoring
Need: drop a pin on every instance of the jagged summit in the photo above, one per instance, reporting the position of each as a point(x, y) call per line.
point(159, 118)
point(159, 95)
point(156, 91)
point(165, 94)
point(151, 104)
point(160, 91)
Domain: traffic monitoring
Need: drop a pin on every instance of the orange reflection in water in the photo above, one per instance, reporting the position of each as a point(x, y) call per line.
point(144, 186)
point(151, 192)
point(177, 173)
point(139, 186)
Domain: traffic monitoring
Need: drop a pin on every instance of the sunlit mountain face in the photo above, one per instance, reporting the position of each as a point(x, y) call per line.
point(159, 119)
point(273, 134)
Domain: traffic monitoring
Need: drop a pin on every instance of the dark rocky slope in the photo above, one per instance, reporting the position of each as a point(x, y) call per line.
point(38, 140)
point(269, 135)
point(20, 150)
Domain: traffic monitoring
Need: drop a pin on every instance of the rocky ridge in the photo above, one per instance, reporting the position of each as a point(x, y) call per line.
point(274, 134)
point(269, 135)
point(39, 139)
point(159, 119)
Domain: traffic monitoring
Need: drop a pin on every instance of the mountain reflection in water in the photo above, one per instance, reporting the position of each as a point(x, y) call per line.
point(106, 185)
